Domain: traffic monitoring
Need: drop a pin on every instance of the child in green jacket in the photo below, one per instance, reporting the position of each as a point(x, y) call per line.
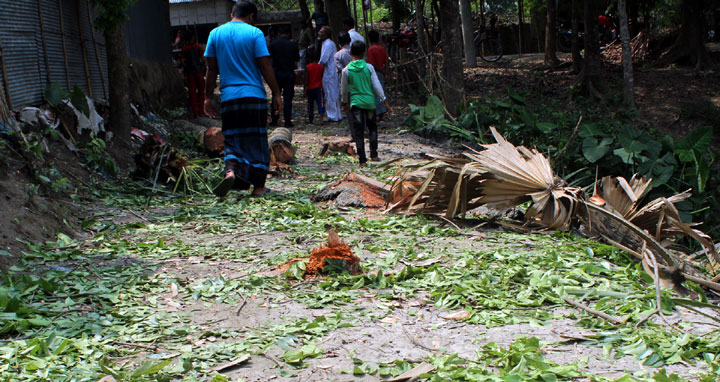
point(361, 83)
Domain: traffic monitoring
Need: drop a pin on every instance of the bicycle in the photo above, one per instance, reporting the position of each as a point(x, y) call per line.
point(487, 41)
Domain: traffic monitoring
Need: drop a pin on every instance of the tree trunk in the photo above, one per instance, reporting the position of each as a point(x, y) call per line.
point(591, 72)
point(690, 43)
point(304, 10)
point(633, 13)
point(550, 35)
point(396, 13)
point(421, 28)
point(521, 33)
point(337, 11)
point(468, 33)
point(575, 26)
point(626, 55)
point(538, 21)
point(452, 56)
point(118, 74)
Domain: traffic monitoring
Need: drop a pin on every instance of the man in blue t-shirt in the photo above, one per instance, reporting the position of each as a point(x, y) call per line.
point(238, 53)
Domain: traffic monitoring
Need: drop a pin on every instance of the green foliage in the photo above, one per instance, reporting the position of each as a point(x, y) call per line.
point(97, 155)
point(53, 178)
point(111, 14)
point(523, 361)
point(79, 100)
point(430, 119)
point(55, 94)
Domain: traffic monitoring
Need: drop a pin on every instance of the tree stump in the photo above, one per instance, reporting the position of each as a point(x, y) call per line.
point(281, 147)
point(214, 140)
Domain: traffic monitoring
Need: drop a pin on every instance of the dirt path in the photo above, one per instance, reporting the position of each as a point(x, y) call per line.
point(176, 287)
point(471, 302)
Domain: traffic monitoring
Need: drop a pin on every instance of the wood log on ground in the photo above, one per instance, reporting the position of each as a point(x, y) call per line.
point(183, 125)
point(206, 122)
point(344, 147)
point(281, 147)
point(214, 140)
point(355, 191)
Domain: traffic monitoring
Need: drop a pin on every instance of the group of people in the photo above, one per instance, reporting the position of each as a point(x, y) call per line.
point(238, 52)
point(323, 63)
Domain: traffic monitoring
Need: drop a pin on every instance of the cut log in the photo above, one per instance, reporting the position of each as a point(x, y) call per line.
point(214, 140)
point(343, 147)
point(281, 146)
point(206, 122)
point(355, 191)
point(183, 125)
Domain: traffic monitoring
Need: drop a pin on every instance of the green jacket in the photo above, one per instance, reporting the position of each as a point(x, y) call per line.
point(359, 83)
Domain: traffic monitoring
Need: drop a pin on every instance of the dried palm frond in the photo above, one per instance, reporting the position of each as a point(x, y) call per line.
point(622, 196)
point(659, 217)
point(513, 175)
point(504, 176)
point(428, 186)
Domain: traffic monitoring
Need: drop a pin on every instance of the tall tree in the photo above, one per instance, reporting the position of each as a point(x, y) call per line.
point(575, 40)
point(111, 15)
point(550, 35)
point(337, 11)
point(452, 75)
point(628, 82)
point(589, 77)
point(521, 33)
point(396, 13)
point(468, 33)
point(690, 42)
point(420, 22)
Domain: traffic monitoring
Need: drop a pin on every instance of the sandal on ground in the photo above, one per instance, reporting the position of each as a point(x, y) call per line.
point(267, 192)
point(224, 187)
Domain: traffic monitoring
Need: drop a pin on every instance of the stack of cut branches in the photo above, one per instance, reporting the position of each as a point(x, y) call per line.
point(639, 47)
point(504, 176)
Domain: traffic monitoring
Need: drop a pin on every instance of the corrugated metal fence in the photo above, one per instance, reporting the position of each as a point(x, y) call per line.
point(50, 41)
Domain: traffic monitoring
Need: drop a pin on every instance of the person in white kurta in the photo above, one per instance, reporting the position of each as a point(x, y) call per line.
point(331, 84)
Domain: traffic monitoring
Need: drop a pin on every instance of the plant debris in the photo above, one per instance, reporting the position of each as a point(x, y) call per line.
point(336, 252)
point(505, 176)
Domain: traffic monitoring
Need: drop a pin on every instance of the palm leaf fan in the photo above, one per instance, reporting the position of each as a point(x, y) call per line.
point(513, 175)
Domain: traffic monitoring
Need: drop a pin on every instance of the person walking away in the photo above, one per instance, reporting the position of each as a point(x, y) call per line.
point(349, 25)
point(306, 38)
point(284, 54)
point(237, 52)
point(343, 57)
point(361, 84)
point(378, 58)
point(194, 71)
point(331, 85)
point(313, 85)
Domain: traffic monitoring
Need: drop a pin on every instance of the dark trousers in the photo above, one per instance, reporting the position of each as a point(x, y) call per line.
point(314, 97)
point(286, 82)
point(363, 118)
